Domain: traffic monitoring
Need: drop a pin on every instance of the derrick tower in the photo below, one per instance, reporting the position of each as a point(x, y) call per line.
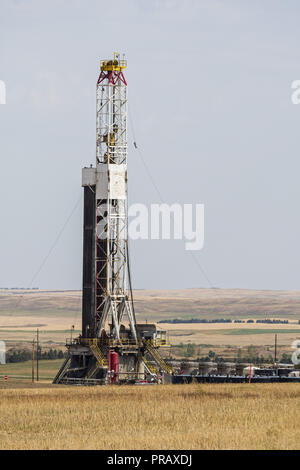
point(112, 346)
point(105, 291)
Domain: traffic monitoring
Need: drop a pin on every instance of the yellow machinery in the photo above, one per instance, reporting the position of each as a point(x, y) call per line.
point(115, 65)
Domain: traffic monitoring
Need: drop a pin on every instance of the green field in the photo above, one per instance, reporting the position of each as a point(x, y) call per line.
point(22, 370)
point(254, 331)
point(33, 332)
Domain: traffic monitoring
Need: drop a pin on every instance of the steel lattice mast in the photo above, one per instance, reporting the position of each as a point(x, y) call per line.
point(112, 299)
point(108, 351)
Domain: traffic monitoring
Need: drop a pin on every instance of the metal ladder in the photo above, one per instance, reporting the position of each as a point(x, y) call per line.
point(157, 357)
point(62, 370)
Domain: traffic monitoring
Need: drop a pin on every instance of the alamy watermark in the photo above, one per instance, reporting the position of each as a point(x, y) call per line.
point(296, 354)
point(2, 352)
point(166, 222)
point(158, 222)
point(2, 92)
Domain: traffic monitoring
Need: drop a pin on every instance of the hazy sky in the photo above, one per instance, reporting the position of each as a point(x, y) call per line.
point(209, 86)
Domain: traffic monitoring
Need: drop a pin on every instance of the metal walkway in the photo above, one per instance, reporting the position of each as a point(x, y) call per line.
point(220, 379)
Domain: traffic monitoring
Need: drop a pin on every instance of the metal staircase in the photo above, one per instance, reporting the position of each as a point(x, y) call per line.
point(62, 370)
point(92, 370)
point(157, 357)
point(149, 367)
point(102, 361)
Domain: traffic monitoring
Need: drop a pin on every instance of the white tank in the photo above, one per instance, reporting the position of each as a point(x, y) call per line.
point(246, 370)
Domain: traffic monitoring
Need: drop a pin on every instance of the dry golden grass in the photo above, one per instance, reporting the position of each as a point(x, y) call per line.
point(245, 416)
point(42, 306)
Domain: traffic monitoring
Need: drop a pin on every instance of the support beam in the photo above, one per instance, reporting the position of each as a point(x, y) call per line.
point(89, 250)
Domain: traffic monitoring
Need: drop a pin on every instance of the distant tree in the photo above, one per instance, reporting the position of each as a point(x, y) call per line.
point(220, 359)
point(239, 355)
point(211, 355)
point(270, 359)
point(190, 350)
point(51, 354)
point(286, 358)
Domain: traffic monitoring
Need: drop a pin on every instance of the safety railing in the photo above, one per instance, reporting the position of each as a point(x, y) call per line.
point(152, 369)
point(112, 65)
point(157, 357)
point(155, 342)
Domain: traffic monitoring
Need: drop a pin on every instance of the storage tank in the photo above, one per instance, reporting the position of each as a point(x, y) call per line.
point(221, 368)
point(212, 368)
point(294, 373)
point(188, 367)
point(204, 368)
point(248, 369)
point(240, 366)
point(225, 368)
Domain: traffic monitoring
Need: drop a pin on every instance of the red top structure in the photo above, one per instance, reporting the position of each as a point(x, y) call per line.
point(112, 70)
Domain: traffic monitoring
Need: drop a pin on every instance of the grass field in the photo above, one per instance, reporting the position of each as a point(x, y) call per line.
point(23, 370)
point(224, 416)
point(227, 416)
point(54, 313)
point(259, 331)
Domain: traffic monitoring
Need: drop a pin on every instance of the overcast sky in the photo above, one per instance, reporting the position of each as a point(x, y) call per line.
point(209, 86)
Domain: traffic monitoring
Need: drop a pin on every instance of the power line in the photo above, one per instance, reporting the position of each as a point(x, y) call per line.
point(143, 160)
point(192, 254)
point(45, 259)
point(55, 242)
point(161, 198)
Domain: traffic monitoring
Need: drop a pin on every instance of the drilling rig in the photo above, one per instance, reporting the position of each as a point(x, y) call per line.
point(113, 347)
